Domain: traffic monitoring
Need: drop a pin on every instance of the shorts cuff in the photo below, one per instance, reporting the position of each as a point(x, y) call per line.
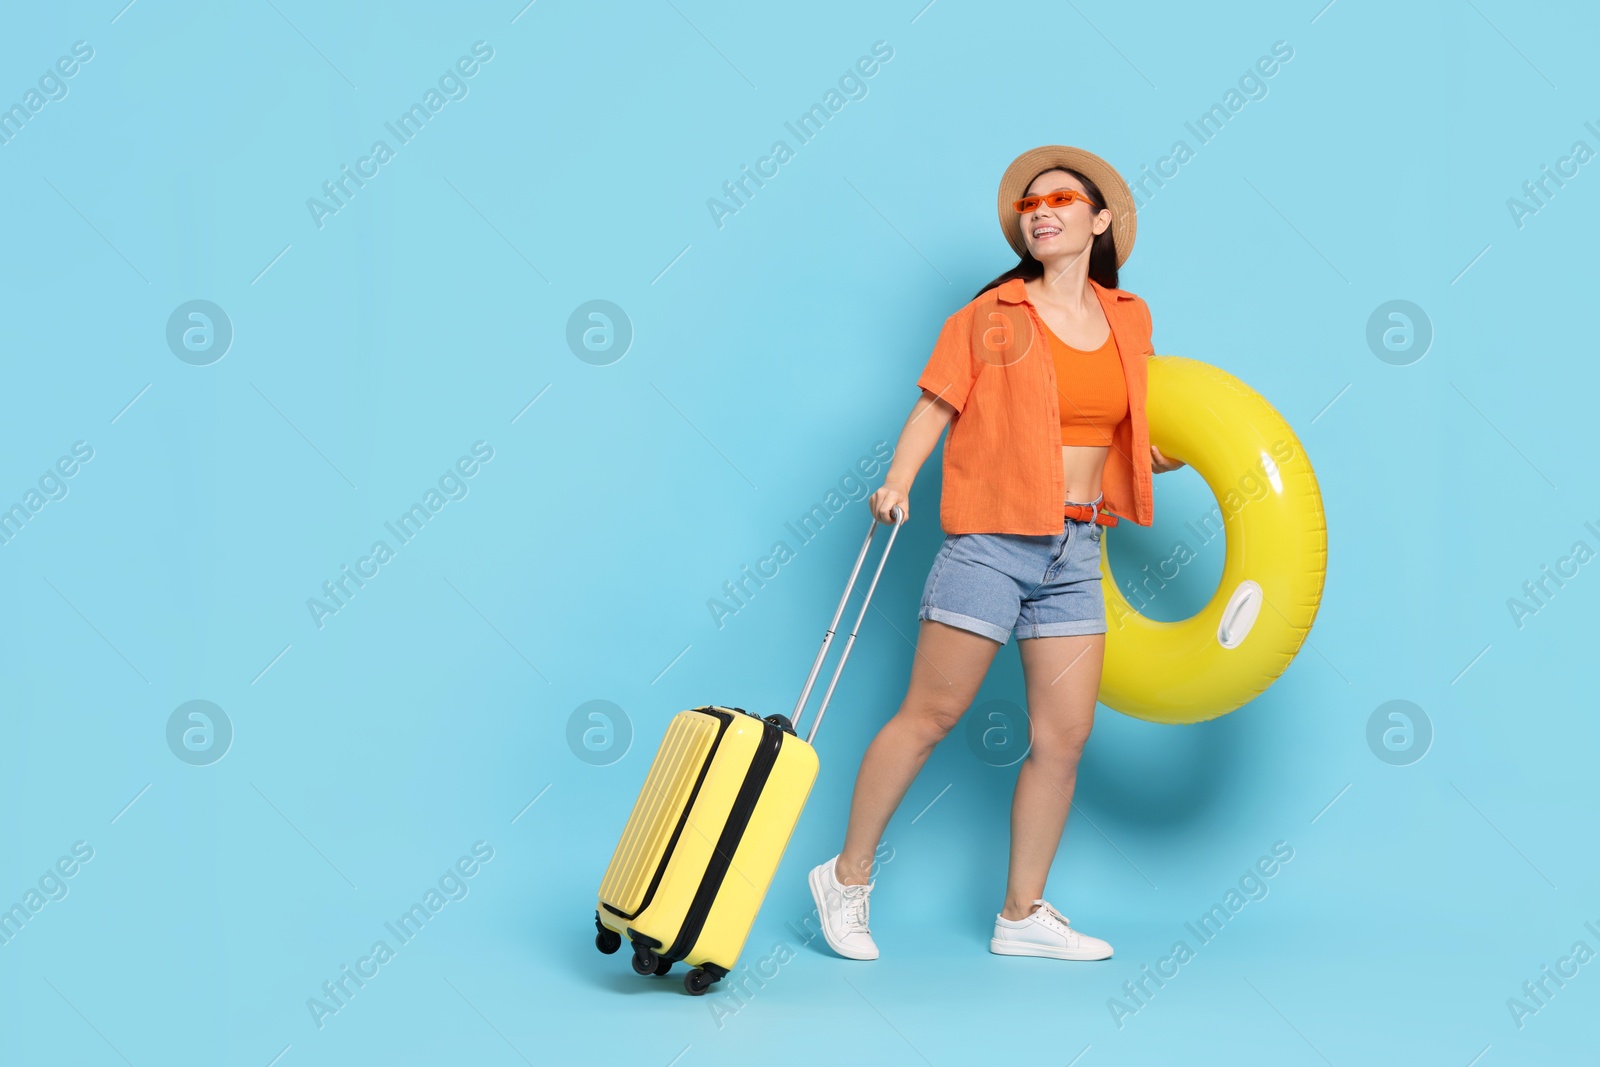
point(1081, 628)
point(965, 622)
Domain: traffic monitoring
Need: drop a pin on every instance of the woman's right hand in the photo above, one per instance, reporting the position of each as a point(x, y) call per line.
point(888, 497)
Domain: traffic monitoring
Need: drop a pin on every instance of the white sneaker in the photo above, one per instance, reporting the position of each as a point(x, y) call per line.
point(842, 910)
point(1045, 933)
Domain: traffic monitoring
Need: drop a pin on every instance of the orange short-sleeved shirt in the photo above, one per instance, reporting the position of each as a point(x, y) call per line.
point(1002, 458)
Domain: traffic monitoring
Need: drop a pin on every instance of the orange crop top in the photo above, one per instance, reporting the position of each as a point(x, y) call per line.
point(1094, 396)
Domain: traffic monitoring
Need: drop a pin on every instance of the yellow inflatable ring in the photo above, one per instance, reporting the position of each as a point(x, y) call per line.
point(1272, 576)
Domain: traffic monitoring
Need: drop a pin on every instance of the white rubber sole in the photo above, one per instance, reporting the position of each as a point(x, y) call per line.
point(814, 879)
point(1021, 948)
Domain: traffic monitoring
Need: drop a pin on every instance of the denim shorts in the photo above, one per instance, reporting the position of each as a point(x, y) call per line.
point(1040, 585)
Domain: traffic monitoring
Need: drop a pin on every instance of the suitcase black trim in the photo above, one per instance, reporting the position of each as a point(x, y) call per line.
point(683, 819)
point(744, 805)
point(636, 938)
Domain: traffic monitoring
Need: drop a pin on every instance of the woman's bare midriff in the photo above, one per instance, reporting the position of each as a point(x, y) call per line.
point(1082, 465)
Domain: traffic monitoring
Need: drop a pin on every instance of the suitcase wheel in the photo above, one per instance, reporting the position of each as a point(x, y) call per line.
point(646, 961)
point(698, 981)
point(606, 939)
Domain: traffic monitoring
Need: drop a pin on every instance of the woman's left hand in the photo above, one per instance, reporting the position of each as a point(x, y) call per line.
point(1160, 464)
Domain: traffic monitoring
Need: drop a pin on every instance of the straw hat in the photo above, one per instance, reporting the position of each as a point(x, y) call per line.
point(1023, 169)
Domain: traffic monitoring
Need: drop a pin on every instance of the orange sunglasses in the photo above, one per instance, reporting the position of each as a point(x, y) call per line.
point(1059, 198)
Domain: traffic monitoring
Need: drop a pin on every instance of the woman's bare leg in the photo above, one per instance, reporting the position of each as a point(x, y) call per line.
point(1062, 678)
point(945, 675)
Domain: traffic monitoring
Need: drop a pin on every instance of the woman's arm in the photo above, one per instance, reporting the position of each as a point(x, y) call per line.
point(929, 416)
point(1160, 464)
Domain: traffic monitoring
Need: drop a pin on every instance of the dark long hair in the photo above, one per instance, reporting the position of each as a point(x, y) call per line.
point(1102, 253)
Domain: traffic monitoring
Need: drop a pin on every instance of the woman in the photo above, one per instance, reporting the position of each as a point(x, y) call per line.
point(1050, 350)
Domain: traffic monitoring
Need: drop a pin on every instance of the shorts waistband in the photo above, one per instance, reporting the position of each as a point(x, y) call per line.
point(1088, 511)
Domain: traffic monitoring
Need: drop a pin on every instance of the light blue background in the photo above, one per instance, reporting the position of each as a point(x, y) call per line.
point(768, 356)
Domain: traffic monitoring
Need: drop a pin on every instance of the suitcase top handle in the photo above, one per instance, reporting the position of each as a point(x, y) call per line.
point(898, 514)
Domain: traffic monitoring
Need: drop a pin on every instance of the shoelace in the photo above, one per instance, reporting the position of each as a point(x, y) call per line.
point(1048, 912)
point(855, 906)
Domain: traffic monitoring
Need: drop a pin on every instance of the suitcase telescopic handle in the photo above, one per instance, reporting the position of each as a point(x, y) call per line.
point(898, 515)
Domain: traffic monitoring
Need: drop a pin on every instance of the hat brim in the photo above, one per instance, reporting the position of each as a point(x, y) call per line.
point(1023, 169)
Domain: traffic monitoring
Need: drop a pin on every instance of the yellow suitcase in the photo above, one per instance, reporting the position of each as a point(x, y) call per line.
point(717, 809)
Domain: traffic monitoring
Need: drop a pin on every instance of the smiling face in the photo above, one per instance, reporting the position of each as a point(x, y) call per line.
point(1066, 232)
